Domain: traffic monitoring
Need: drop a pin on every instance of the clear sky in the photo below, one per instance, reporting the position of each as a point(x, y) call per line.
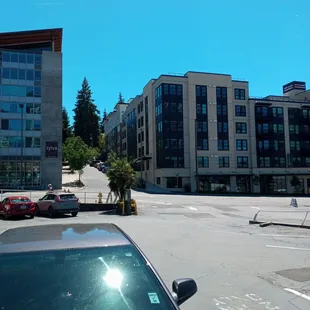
point(119, 45)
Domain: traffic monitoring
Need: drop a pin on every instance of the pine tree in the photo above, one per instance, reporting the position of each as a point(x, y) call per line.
point(104, 117)
point(66, 127)
point(86, 116)
point(120, 98)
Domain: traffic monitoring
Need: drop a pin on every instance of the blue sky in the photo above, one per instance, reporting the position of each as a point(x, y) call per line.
point(119, 45)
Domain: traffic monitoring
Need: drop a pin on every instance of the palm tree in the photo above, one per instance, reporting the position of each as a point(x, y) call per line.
point(121, 177)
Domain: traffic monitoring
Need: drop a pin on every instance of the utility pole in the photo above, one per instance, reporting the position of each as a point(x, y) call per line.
point(21, 105)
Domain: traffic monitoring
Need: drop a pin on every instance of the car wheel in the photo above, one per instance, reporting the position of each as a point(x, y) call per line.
point(6, 216)
point(74, 214)
point(50, 212)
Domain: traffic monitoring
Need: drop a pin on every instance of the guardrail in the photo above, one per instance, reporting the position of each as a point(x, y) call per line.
point(255, 221)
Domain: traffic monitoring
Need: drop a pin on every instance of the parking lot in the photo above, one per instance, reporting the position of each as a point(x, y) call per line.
point(237, 266)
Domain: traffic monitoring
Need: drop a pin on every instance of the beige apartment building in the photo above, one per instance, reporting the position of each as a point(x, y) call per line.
point(202, 132)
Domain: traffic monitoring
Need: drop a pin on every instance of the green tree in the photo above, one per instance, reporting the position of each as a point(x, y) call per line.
point(104, 117)
point(86, 116)
point(78, 153)
point(66, 127)
point(120, 98)
point(121, 176)
point(101, 142)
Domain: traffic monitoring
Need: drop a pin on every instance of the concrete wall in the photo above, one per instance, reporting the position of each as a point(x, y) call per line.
point(51, 113)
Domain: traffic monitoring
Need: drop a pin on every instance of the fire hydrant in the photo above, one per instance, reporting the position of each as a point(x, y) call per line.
point(100, 197)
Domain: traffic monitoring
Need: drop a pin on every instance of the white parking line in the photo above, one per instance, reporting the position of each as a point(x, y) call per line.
point(286, 247)
point(168, 203)
point(192, 208)
point(285, 236)
point(257, 208)
point(297, 293)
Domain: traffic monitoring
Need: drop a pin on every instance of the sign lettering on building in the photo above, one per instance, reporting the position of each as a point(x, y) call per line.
point(51, 149)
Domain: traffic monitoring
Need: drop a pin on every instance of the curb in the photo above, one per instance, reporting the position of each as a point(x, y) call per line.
point(278, 224)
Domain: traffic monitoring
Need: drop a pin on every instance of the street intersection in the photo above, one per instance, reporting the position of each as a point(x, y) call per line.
point(237, 266)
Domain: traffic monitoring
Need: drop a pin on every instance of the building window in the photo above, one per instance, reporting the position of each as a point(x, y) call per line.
point(202, 126)
point(294, 129)
point(242, 162)
point(202, 144)
point(239, 94)
point(242, 145)
point(221, 92)
point(201, 91)
point(174, 182)
point(295, 146)
point(240, 110)
point(221, 109)
point(222, 145)
point(203, 161)
point(273, 184)
point(223, 162)
point(222, 127)
point(264, 162)
point(241, 128)
point(14, 73)
point(158, 181)
point(278, 128)
point(6, 73)
point(277, 112)
point(10, 174)
point(201, 108)
point(4, 124)
point(37, 125)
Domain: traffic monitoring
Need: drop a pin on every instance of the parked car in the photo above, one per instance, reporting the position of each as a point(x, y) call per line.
point(101, 167)
point(17, 206)
point(97, 165)
point(82, 266)
point(94, 162)
point(58, 203)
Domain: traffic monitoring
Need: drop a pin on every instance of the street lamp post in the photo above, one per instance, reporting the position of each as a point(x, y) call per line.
point(21, 105)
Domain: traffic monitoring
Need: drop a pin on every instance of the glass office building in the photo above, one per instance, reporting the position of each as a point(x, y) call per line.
point(26, 89)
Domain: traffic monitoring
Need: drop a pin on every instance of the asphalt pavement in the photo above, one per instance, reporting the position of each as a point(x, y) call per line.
point(237, 266)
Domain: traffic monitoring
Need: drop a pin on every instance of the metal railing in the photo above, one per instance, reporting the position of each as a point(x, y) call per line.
point(282, 211)
point(84, 197)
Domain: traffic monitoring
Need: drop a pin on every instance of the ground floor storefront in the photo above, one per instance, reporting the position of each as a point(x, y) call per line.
point(265, 184)
point(14, 174)
point(258, 184)
point(30, 173)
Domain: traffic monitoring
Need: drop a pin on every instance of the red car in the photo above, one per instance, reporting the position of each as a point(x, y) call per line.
point(17, 206)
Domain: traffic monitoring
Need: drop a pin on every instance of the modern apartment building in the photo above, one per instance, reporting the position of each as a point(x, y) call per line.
point(202, 132)
point(31, 109)
point(113, 127)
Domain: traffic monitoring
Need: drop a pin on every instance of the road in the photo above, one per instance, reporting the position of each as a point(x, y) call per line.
point(237, 266)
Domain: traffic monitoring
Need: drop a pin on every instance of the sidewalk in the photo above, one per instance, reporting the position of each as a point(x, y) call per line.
point(68, 183)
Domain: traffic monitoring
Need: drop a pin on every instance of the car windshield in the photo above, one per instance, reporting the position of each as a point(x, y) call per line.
point(20, 200)
point(111, 278)
point(67, 197)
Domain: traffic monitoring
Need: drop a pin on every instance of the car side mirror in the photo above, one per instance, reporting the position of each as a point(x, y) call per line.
point(40, 199)
point(184, 289)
